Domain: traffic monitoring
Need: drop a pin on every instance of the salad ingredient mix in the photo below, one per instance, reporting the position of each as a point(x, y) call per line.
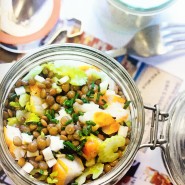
point(66, 123)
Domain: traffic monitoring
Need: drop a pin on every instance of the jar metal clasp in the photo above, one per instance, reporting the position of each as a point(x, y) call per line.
point(156, 139)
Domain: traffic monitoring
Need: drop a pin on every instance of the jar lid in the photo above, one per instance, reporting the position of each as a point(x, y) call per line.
point(175, 148)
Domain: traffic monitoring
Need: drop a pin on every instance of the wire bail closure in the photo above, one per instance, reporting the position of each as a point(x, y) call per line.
point(157, 116)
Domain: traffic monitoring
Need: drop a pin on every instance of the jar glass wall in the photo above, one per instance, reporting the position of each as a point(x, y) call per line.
point(175, 148)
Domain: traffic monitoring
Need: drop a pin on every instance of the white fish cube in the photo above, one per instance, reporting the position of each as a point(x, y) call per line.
point(48, 155)
point(28, 167)
point(19, 153)
point(64, 79)
point(20, 90)
point(39, 78)
point(26, 138)
point(86, 107)
point(103, 86)
point(62, 113)
point(51, 162)
point(123, 130)
point(12, 132)
point(56, 144)
point(32, 154)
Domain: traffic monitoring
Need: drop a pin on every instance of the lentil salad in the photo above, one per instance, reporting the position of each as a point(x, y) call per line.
point(66, 124)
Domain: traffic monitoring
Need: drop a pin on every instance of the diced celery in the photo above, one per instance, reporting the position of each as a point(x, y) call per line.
point(14, 104)
point(35, 71)
point(57, 87)
point(54, 174)
point(12, 121)
point(128, 123)
point(76, 75)
point(95, 170)
point(20, 114)
point(108, 148)
point(52, 181)
point(31, 117)
point(24, 98)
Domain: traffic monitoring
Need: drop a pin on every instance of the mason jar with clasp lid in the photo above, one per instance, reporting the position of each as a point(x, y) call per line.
point(171, 140)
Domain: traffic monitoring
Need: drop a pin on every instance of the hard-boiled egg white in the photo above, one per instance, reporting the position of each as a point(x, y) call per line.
point(67, 169)
point(110, 117)
point(62, 113)
point(114, 109)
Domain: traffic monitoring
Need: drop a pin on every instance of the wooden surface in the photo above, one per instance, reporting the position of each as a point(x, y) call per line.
point(7, 57)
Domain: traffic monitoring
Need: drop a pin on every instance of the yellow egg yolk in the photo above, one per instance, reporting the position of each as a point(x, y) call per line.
point(103, 119)
point(85, 68)
point(118, 99)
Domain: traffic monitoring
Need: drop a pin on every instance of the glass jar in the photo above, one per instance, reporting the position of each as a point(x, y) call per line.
point(90, 56)
point(125, 17)
point(174, 148)
point(74, 52)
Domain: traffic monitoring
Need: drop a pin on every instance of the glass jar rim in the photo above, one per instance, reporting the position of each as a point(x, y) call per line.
point(134, 10)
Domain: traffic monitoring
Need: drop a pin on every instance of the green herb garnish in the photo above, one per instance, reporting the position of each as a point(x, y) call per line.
point(95, 132)
point(104, 101)
point(50, 114)
point(87, 130)
point(80, 146)
point(88, 93)
point(105, 106)
point(68, 122)
point(90, 123)
point(70, 157)
point(85, 100)
point(70, 145)
point(98, 97)
point(127, 103)
point(12, 97)
point(74, 183)
point(68, 103)
point(91, 91)
point(41, 172)
point(75, 117)
point(69, 110)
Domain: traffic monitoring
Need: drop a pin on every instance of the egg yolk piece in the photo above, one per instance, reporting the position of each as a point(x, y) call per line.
point(103, 119)
point(110, 129)
point(107, 122)
point(90, 149)
point(119, 99)
point(87, 67)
